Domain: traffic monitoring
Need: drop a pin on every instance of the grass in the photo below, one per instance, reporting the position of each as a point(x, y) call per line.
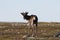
point(16, 30)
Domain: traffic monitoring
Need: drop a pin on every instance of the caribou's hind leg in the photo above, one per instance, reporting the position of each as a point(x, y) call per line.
point(35, 28)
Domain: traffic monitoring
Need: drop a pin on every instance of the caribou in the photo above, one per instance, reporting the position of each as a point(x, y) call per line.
point(32, 21)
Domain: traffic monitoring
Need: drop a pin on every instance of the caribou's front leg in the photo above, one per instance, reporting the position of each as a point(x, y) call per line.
point(32, 26)
point(28, 30)
point(29, 25)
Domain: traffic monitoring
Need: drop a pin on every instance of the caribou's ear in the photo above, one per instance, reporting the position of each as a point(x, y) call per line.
point(26, 13)
point(21, 13)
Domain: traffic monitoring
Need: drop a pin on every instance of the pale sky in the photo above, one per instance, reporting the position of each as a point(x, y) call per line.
point(46, 10)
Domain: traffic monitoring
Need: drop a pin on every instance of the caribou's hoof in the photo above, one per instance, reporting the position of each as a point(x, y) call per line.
point(33, 35)
point(24, 36)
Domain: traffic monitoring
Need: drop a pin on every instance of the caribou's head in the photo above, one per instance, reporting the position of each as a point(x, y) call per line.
point(24, 13)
